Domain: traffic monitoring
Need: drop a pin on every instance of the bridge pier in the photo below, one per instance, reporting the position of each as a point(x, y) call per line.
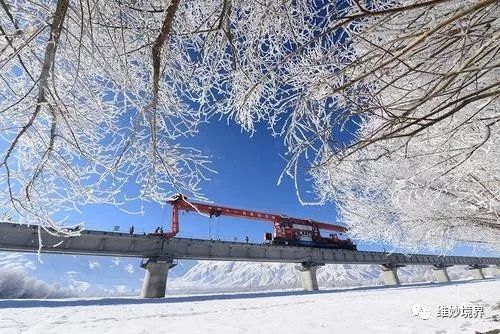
point(308, 272)
point(477, 271)
point(155, 278)
point(440, 273)
point(496, 271)
point(390, 274)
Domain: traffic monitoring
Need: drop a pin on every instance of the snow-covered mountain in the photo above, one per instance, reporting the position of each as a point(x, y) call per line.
point(24, 276)
point(257, 276)
point(246, 276)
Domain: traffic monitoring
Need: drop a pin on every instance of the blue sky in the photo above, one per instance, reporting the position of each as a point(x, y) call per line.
point(248, 170)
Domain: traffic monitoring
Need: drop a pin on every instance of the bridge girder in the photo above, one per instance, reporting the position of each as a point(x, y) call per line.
point(23, 238)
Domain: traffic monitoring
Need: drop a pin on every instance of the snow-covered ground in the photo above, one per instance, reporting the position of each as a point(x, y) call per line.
point(350, 310)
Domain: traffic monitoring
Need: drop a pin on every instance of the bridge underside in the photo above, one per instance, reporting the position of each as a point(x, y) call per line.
point(160, 252)
point(23, 238)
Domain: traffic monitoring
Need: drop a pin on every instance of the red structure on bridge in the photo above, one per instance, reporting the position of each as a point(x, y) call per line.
point(287, 230)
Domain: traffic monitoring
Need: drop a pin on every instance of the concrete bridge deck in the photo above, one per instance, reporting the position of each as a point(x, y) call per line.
point(161, 252)
point(23, 238)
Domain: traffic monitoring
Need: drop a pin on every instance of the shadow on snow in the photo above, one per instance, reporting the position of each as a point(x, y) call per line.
point(28, 303)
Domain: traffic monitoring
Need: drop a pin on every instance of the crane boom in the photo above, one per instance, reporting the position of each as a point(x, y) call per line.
point(179, 202)
point(217, 210)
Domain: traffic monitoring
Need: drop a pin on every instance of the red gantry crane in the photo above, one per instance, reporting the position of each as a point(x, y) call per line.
point(287, 230)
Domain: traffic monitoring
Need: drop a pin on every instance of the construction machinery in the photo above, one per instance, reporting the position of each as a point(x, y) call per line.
point(287, 230)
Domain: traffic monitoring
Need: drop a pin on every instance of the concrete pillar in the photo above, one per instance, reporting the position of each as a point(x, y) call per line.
point(155, 278)
point(390, 273)
point(440, 273)
point(477, 271)
point(308, 272)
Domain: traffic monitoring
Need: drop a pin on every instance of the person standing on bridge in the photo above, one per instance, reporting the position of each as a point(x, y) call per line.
point(246, 239)
point(131, 229)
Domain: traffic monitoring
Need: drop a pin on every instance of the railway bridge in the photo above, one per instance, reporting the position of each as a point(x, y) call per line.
point(159, 254)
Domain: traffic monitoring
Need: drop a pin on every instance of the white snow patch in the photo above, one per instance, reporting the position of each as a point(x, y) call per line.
point(115, 261)
point(80, 287)
point(129, 268)
point(248, 276)
point(374, 310)
point(94, 264)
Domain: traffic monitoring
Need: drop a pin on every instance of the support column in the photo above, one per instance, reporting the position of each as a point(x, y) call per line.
point(440, 273)
point(477, 271)
point(155, 278)
point(308, 271)
point(390, 273)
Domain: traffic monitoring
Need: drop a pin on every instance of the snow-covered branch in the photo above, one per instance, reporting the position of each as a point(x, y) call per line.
point(393, 104)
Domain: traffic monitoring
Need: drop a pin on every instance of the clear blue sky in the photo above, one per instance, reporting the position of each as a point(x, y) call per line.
point(248, 170)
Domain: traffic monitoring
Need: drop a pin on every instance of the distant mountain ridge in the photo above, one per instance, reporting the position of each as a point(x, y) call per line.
point(247, 276)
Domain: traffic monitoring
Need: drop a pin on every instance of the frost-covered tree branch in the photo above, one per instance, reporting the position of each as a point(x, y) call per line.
point(393, 105)
point(83, 113)
point(424, 170)
point(420, 165)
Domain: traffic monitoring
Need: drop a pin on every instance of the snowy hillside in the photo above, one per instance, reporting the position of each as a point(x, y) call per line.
point(23, 276)
point(246, 276)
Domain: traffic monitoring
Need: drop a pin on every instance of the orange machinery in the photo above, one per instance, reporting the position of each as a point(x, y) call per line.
point(287, 230)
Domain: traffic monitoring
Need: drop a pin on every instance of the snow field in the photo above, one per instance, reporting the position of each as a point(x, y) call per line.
point(355, 310)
